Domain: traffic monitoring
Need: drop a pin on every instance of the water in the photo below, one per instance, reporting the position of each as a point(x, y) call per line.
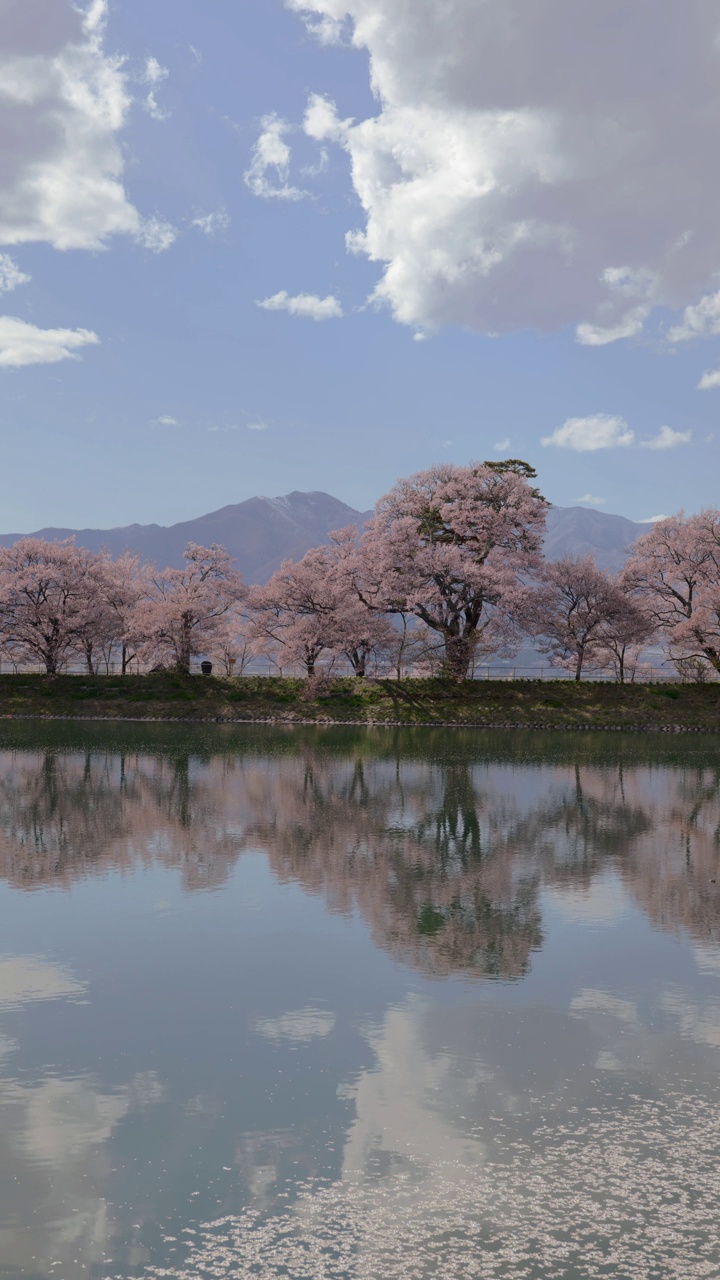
point(383, 1005)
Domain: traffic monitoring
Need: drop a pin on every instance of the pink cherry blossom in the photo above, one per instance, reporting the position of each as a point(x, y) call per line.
point(455, 546)
point(675, 571)
point(183, 609)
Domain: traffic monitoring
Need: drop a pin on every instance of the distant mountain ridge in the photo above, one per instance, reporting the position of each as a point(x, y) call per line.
point(261, 532)
point(579, 530)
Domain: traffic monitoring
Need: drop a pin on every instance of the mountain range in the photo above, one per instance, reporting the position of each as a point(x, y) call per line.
point(261, 532)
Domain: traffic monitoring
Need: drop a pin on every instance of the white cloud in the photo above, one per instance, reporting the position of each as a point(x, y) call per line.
point(710, 380)
point(586, 435)
point(502, 445)
point(167, 421)
point(153, 108)
point(520, 152)
point(624, 284)
point(10, 274)
point(590, 500)
point(271, 156)
point(63, 102)
point(326, 28)
point(154, 72)
point(652, 520)
point(154, 75)
point(699, 321)
point(212, 224)
point(23, 344)
point(257, 426)
point(156, 235)
point(629, 326)
point(666, 438)
point(303, 304)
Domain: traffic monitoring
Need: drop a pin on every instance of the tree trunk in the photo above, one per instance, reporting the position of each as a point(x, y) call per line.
point(185, 647)
point(579, 665)
point(458, 654)
point(358, 662)
point(713, 656)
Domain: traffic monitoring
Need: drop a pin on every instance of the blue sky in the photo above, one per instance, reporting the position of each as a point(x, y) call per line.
point(537, 255)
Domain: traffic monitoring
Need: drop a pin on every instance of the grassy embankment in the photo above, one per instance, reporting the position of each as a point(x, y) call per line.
point(536, 704)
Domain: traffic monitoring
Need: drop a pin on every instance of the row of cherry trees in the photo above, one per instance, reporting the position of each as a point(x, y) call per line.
point(447, 573)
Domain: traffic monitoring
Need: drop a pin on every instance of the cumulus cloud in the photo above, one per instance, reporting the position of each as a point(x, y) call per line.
point(666, 438)
point(63, 103)
point(269, 172)
point(586, 435)
point(10, 274)
point(710, 380)
point(326, 27)
point(23, 344)
point(303, 304)
point(532, 165)
point(594, 335)
point(590, 500)
point(699, 321)
point(502, 445)
point(168, 421)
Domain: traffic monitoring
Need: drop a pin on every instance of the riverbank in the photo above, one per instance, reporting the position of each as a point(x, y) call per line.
point(557, 704)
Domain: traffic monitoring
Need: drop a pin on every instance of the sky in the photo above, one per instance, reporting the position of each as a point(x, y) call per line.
point(251, 246)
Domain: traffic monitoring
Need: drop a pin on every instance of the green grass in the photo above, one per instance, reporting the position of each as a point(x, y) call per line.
point(555, 704)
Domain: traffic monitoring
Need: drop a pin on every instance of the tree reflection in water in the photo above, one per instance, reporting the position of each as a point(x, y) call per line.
point(444, 858)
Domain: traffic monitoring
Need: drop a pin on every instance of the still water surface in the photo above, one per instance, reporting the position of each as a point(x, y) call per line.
point(383, 1005)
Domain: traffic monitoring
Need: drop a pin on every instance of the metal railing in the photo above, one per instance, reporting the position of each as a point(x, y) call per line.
point(501, 672)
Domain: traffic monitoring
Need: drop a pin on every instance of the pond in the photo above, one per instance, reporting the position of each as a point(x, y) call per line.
point(338, 1004)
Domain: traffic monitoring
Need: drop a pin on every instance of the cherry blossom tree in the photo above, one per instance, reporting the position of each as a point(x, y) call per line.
point(293, 612)
point(578, 612)
point(454, 546)
point(310, 608)
point(289, 639)
point(233, 644)
point(115, 588)
point(180, 617)
point(126, 582)
point(626, 630)
point(675, 570)
point(46, 599)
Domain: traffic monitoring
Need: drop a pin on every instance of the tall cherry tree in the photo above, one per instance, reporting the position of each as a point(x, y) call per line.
point(309, 608)
point(180, 616)
point(46, 599)
point(455, 546)
point(675, 570)
point(578, 612)
point(293, 612)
